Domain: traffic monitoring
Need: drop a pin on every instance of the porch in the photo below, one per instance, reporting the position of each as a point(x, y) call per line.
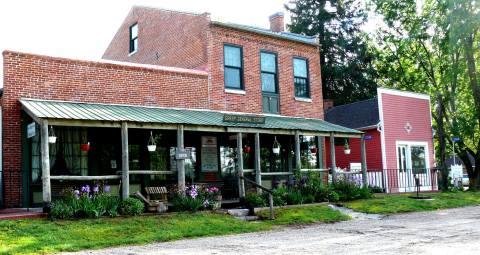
point(129, 148)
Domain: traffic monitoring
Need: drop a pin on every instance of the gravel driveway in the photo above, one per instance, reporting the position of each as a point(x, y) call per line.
point(454, 231)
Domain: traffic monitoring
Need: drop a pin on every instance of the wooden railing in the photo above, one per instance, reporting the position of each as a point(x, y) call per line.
point(269, 191)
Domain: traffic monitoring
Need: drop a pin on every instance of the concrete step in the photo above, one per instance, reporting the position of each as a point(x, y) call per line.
point(248, 218)
point(238, 212)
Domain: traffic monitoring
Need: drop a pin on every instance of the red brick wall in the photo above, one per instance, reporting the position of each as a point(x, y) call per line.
point(252, 101)
point(168, 38)
point(40, 77)
point(372, 147)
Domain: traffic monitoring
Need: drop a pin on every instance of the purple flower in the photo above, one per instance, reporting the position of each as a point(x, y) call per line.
point(96, 189)
point(193, 191)
point(106, 188)
point(206, 203)
point(86, 189)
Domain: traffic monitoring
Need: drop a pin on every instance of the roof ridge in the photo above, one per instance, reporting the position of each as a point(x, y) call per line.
point(349, 104)
point(169, 10)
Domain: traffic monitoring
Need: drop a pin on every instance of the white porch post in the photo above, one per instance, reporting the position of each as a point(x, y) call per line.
point(258, 170)
point(298, 161)
point(241, 183)
point(363, 156)
point(180, 162)
point(45, 154)
point(125, 162)
point(332, 158)
point(320, 142)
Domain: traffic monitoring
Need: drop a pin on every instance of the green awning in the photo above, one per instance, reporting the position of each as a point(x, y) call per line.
point(101, 113)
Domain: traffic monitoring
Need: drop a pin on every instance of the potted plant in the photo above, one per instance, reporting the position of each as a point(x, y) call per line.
point(51, 136)
point(152, 142)
point(347, 148)
point(85, 146)
point(247, 149)
point(314, 150)
point(216, 196)
point(276, 146)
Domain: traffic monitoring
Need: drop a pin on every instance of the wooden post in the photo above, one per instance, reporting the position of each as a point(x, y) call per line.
point(125, 162)
point(241, 183)
point(320, 143)
point(298, 161)
point(270, 204)
point(45, 154)
point(180, 162)
point(332, 158)
point(363, 156)
point(258, 170)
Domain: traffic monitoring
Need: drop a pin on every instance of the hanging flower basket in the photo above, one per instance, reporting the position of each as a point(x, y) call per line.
point(276, 146)
point(51, 136)
point(247, 149)
point(314, 150)
point(152, 145)
point(85, 146)
point(347, 148)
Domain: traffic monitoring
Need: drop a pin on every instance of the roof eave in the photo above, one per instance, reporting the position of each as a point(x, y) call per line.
point(262, 33)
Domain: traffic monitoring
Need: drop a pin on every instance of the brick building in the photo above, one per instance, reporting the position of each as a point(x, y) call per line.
point(177, 99)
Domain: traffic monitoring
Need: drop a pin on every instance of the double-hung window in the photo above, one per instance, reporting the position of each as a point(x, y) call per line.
point(300, 77)
point(268, 66)
point(233, 67)
point(133, 38)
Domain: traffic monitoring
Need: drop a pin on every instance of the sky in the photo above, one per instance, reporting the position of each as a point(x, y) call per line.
point(83, 29)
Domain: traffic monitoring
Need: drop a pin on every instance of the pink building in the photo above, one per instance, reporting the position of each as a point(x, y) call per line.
point(398, 139)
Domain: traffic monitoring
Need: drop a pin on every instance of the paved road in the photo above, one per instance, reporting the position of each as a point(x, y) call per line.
point(454, 231)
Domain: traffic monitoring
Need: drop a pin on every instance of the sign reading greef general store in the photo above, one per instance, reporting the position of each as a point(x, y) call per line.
point(243, 119)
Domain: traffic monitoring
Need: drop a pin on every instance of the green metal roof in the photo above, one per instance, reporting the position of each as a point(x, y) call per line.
point(61, 110)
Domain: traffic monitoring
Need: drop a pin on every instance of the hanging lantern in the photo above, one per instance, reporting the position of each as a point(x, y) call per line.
point(247, 149)
point(314, 150)
point(276, 146)
point(152, 145)
point(347, 147)
point(51, 136)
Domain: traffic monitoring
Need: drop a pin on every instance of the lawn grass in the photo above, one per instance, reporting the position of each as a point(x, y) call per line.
point(36, 236)
point(400, 203)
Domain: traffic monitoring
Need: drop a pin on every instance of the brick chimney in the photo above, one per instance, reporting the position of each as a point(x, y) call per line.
point(327, 104)
point(276, 22)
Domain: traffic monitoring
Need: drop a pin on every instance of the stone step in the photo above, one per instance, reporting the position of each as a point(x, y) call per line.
point(238, 212)
point(248, 218)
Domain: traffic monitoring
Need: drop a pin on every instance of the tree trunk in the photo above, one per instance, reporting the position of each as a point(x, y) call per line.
point(441, 142)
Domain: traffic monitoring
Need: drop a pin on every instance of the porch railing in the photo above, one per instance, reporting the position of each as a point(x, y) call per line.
point(269, 191)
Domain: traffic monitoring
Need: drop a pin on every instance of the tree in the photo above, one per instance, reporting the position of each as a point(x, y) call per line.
point(345, 58)
point(431, 48)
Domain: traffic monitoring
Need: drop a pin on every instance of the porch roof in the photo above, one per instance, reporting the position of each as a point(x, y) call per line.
point(86, 114)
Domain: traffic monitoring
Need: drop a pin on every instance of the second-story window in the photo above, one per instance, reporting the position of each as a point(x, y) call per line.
point(133, 38)
point(233, 68)
point(268, 66)
point(300, 77)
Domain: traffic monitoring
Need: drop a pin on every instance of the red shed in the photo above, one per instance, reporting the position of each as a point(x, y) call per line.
point(399, 139)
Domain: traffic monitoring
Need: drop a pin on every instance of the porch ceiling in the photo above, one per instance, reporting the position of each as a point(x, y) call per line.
point(76, 112)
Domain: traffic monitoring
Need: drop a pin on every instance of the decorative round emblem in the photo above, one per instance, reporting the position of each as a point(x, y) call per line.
point(408, 127)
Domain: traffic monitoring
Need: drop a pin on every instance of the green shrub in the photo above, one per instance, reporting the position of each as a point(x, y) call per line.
point(131, 206)
point(187, 203)
point(323, 194)
point(279, 196)
point(294, 197)
point(333, 196)
point(308, 199)
point(255, 200)
point(348, 190)
point(61, 210)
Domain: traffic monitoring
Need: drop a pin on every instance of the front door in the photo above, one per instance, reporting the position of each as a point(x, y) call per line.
point(412, 162)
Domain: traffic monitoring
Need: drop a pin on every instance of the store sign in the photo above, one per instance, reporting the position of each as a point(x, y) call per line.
point(367, 137)
point(209, 154)
point(31, 130)
point(243, 119)
point(182, 153)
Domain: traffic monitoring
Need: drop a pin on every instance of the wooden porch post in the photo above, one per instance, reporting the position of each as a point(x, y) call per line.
point(332, 158)
point(364, 161)
point(258, 170)
point(45, 154)
point(180, 162)
point(320, 143)
point(298, 161)
point(125, 162)
point(241, 183)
